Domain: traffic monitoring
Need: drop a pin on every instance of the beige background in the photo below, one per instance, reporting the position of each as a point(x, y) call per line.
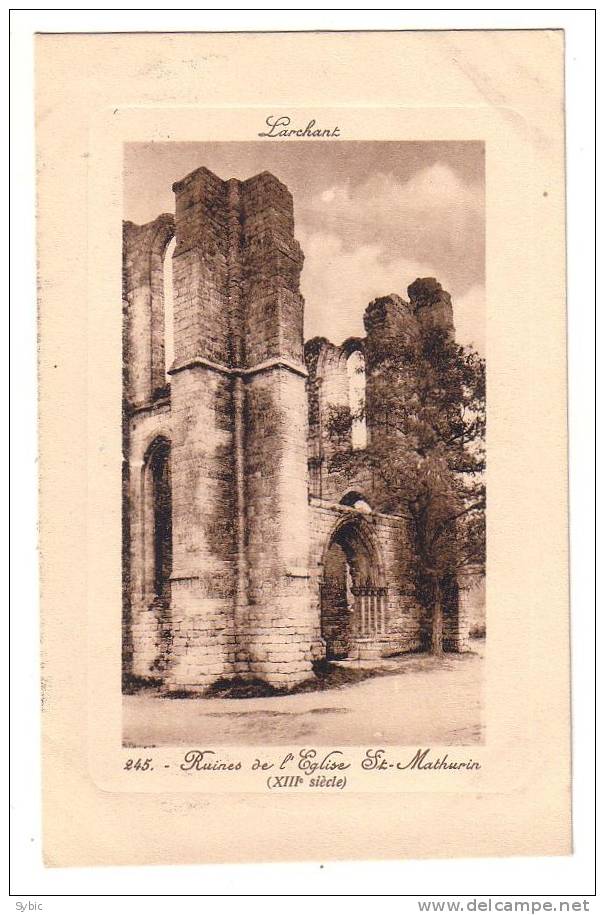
point(94, 93)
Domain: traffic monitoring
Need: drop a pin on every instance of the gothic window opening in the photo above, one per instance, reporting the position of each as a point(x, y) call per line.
point(357, 501)
point(161, 497)
point(168, 308)
point(356, 372)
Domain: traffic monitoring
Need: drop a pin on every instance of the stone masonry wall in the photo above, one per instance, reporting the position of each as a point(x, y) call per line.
point(391, 317)
point(240, 530)
point(146, 426)
point(389, 534)
point(244, 421)
point(143, 294)
point(277, 628)
point(146, 415)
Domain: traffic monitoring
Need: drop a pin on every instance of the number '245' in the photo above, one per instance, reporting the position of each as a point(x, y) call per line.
point(142, 765)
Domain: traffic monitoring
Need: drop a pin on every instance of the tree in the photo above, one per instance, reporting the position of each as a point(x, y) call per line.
point(425, 412)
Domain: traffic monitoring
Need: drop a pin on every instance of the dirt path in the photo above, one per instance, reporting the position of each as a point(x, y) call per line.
point(420, 701)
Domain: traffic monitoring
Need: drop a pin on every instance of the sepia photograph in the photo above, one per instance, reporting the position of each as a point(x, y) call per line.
point(303, 429)
point(303, 524)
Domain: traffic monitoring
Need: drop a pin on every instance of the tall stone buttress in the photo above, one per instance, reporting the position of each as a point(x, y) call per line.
point(240, 550)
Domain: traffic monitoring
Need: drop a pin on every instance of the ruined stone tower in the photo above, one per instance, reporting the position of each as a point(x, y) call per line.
point(238, 433)
point(242, 555)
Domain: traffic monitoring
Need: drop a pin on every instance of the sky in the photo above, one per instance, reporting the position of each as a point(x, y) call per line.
point(371, 217)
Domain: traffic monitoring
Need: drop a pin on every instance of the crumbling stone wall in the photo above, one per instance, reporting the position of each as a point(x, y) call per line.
point(328, 388)
point(244, 420)
point(146, 417)
point(388, 320)
point(237, 426)
point(143, 294)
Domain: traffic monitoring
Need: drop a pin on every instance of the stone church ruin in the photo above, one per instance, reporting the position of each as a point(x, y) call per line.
point(243, 554)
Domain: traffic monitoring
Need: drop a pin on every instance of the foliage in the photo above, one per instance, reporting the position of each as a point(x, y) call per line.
point(425, 406)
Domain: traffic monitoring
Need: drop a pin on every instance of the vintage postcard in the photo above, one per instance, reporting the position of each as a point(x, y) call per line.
point(303, 447)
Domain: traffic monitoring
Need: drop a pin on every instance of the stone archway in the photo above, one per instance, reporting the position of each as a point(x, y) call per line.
point(352, 590)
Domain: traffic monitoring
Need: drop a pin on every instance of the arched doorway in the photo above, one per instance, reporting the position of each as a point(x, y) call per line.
point(353, 590)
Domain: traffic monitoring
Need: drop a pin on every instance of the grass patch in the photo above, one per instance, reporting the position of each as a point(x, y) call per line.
point(241, 688)
point(326, 676)
point(132, 684)
point(333, 676)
